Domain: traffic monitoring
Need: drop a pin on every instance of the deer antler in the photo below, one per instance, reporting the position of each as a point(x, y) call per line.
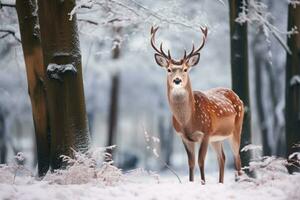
point(160, 51)
point(193, 51)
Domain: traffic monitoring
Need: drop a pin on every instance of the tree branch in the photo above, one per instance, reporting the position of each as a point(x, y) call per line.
point(10, 5)
point(8, 32)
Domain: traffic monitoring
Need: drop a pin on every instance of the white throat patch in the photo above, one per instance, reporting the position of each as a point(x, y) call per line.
point(178, 94)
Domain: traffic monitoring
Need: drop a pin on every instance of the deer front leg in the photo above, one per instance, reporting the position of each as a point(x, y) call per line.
point(201, 157)
point(190, 150)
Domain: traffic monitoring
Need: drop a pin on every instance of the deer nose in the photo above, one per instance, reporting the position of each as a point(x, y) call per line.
point(177, 81)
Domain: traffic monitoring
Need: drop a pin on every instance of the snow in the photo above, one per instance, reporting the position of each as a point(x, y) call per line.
point(294, 3)
point(87, 177)
point(295, 154)
point(54, 70)
point(251, 147)
point(295, 80)
point(154, 188)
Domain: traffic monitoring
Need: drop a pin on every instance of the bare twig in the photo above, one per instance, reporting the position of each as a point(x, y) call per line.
point(9, 32)
point(222, 2)
point(147, 140)
point(161, 18)
point(7, 5)
point(110, 5)
point(88, 21)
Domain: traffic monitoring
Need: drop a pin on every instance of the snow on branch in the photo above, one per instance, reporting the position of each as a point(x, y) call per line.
point(295, 80)
point(128, 12)
point(257, 12)
point(251, 147)
point(294, 3)
point(83, 4)
point(295, 155)
point(55, 70)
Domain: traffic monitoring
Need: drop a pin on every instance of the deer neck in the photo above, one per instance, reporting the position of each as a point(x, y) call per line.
point(181, 102)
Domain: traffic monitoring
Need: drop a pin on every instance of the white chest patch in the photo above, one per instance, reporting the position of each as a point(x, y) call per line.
point(196, 136)
point(217, 138)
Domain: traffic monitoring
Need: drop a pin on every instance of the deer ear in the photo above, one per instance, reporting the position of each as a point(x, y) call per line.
point(161, 61)
point(192, 61)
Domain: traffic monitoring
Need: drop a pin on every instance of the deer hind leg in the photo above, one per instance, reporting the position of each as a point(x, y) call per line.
point(235, 142)
point(218, 147)
point(190, 150)
point(201, 157)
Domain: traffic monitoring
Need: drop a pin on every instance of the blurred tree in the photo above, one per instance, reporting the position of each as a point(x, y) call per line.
point(260, 63)
point(166, 134)
point(32, 50)
point(114, 93)
point(64, 85)
point(267, 85)
point(292, 112)
point(239, 71)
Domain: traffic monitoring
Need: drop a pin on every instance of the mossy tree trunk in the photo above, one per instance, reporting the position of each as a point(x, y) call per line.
point(64, 84)
point(292, 111)
point(31, 44)
point(239, 71)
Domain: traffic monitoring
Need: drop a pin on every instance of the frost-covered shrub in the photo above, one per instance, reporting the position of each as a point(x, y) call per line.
point(6, 174)
point(9, 172)
point(266, 168)
point(86, 167)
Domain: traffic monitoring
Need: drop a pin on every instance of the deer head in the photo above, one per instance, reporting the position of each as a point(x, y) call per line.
point(177, 71)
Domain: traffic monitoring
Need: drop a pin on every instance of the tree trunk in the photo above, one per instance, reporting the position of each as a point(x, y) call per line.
point(114, 95)
point(64, 85)
point(31, 44)
point(113, 111)
point(239, 71)
point(292, 111)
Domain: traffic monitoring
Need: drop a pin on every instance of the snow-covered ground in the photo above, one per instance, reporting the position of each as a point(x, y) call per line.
point(87, 177)
point(154, 187)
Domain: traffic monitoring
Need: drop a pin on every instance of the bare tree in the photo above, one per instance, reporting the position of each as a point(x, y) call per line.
point(292, 112)
point(64, 85)
point(239, 71)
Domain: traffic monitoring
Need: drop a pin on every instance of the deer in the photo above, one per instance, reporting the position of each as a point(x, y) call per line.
point(205, 117)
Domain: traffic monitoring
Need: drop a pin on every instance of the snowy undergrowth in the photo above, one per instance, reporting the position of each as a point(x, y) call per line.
point(88, 177)
point(94, 167)
point(87, 167)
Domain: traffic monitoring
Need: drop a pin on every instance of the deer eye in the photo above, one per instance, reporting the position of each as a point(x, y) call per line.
point(185, 70)
point(169, 70)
